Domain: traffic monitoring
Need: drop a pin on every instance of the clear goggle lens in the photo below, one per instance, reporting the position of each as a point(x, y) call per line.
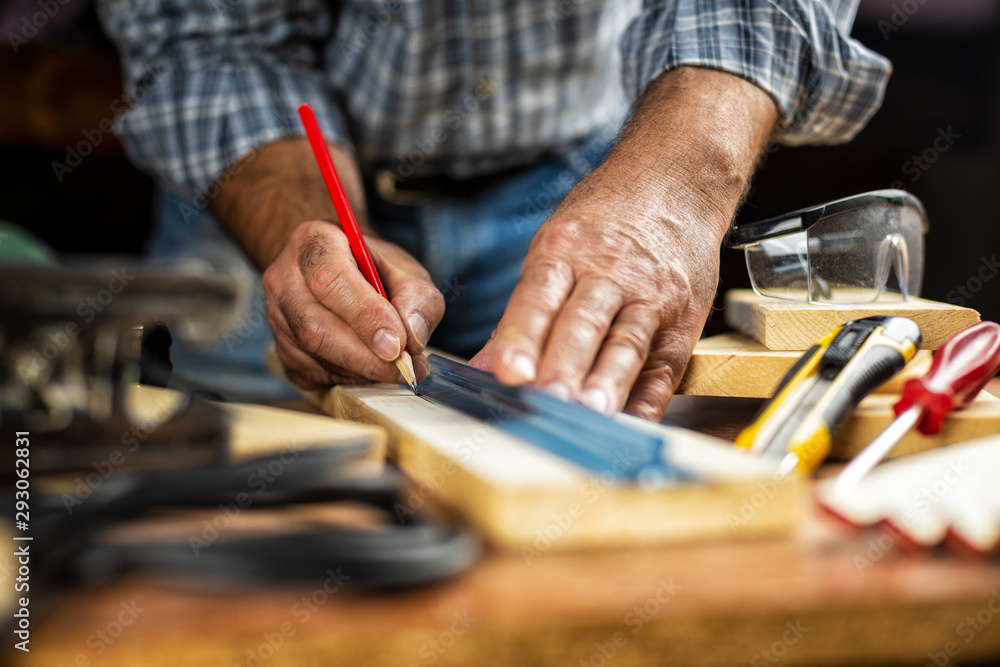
point(848, 258)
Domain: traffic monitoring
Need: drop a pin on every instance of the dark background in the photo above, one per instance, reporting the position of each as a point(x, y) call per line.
point(946, 60)
point(946, 74)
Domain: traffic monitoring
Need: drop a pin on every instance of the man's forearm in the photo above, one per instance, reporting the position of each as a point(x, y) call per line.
point(276, 189)
point(691, 147)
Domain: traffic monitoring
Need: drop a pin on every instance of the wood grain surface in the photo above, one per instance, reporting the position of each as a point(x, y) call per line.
point(779, 324)
point(517, 493)
point(874, 414)
point(824, 595)
point(257, 430)
point(733, 365)
point(736, 365)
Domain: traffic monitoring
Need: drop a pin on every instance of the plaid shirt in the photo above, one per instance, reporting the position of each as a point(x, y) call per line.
point(460, 88)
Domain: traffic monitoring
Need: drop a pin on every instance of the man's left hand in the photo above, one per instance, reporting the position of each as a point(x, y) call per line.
point(618, 283)
point(611, 301)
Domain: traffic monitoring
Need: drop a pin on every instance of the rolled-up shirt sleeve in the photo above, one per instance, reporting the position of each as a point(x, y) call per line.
point(825, 84)
point(210, 81)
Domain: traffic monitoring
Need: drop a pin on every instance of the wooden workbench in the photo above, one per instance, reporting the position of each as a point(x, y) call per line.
point(823, 595)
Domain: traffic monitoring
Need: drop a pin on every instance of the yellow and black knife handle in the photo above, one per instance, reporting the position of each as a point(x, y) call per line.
point(847, 364)
point(782, 406)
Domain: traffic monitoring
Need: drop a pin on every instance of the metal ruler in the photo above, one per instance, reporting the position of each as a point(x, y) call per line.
point(577, 434)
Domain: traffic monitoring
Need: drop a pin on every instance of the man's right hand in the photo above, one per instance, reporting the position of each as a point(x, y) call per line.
point(329, 324)
point(332, 327)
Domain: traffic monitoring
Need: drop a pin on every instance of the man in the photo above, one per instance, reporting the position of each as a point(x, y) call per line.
point(437, 99)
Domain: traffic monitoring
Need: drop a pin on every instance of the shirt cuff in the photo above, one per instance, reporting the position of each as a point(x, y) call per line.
point(826, 86)
point(192, 126)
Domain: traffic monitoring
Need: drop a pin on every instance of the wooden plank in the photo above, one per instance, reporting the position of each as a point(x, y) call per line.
point(793, 325)
point(731, 365)
point(258, 430)
point(874, 414)
point(521, 496)
point(735, 365)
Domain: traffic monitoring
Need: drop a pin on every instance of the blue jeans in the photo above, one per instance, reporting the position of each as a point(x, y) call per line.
point(473, 250)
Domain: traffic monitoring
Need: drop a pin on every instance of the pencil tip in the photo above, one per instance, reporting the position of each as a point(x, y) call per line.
point(405, 365)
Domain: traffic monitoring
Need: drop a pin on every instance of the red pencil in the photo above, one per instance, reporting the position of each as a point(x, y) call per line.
point(350, 224)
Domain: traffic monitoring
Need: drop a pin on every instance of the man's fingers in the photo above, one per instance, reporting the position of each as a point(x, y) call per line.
point(484, 358)
point(414, 296)
point(532, 308)
point(577, 335)
point(651, 393)
point(300, 367)
point(330, 325)
point(620, 360)
point(668, 357)
point(332, 276)
point(325, 336)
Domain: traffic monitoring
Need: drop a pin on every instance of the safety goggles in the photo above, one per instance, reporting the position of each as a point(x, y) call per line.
point(844, 252)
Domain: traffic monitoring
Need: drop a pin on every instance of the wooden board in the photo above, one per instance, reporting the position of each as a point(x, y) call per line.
point(745, 369)
point(732, 365)
point(778, 324)
point(874, 414)
point(258, 430)
point(735, 365)
point(523, 497)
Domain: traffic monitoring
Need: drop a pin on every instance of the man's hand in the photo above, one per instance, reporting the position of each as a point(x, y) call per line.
point(618, 283)
point(330, 326)
point(609, 306)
